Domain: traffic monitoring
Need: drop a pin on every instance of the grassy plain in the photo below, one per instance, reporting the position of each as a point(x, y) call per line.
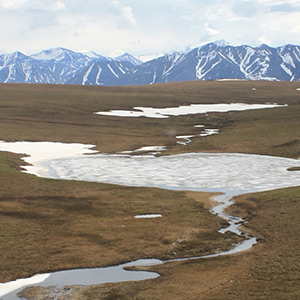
point(271, 270)
point(48, 225)
point(65, 114)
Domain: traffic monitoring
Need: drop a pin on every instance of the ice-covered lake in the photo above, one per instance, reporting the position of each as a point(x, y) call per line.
point(191, 171)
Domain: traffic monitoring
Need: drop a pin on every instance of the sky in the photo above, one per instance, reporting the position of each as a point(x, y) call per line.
point(141, 27)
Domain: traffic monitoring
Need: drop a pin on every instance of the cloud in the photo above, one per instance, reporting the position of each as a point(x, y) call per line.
point(116, 53)
point(284, 8)
point(210, 30)
point(127, 13)
point(157, 25)
point(124, 14)
point(263, 40)
point(46, 5)
point(12, 4)
point(28, 5)
point(247, 8)
point(59, 5)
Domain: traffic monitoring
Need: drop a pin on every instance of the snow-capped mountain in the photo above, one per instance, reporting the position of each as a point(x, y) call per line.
point(211, 61)
point(106, 72)
point(61, 66)
point(49, 66)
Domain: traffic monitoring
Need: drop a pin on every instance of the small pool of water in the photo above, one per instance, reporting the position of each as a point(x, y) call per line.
point(83, 277)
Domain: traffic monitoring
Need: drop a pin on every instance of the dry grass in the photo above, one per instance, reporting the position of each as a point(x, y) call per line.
point(270, 270)
point(65, 114)
point(294, 169)
point(270, 132)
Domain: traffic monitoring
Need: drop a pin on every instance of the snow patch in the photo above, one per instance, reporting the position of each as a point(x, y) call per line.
point(231, 79)
point(91, 54)
point(86, 75)
point(288, 60)
point(186, 139)
point(146, 149)
point(111, 69)
point(41, 152)
point(154, 78)
point(8, 287)
point(286, 69)
point(150, 112)
point(208, 132)
point(148, 216)
point(98, 76)
point(149, 57)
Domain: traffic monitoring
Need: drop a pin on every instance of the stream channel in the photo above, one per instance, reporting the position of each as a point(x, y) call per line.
point(231, 174)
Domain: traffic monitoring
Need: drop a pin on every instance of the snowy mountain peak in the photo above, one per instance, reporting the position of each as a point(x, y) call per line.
point(264, 47)
point(218, 43)
point(55, 54)
point(221, 43)
point(128, 57)
point(16, 54)
point(12, 57)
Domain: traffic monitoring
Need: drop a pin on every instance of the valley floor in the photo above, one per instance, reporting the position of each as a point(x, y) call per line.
point(49, 225)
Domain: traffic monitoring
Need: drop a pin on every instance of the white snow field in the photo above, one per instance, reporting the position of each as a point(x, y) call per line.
point(39, 153)
point(151, 112)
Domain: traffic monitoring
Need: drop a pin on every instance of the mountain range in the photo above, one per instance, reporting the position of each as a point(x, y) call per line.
point(211, 61)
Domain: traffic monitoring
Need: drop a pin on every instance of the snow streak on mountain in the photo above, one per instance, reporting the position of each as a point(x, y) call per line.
point(206, 62)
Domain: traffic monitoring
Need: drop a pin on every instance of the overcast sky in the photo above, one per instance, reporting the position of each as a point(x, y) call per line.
point(144, 26)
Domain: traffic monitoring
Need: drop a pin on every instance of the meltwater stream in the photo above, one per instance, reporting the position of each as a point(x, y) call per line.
point(232, 174)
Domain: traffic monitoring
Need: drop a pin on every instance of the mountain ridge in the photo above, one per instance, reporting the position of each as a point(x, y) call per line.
point(211, 61)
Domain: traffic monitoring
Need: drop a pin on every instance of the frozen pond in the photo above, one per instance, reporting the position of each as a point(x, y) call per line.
point(193, 171)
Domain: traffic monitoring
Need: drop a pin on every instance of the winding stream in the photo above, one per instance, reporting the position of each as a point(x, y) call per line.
point(231, 174)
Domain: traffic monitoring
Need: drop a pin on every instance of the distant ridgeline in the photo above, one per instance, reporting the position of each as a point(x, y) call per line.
point(209, 62)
